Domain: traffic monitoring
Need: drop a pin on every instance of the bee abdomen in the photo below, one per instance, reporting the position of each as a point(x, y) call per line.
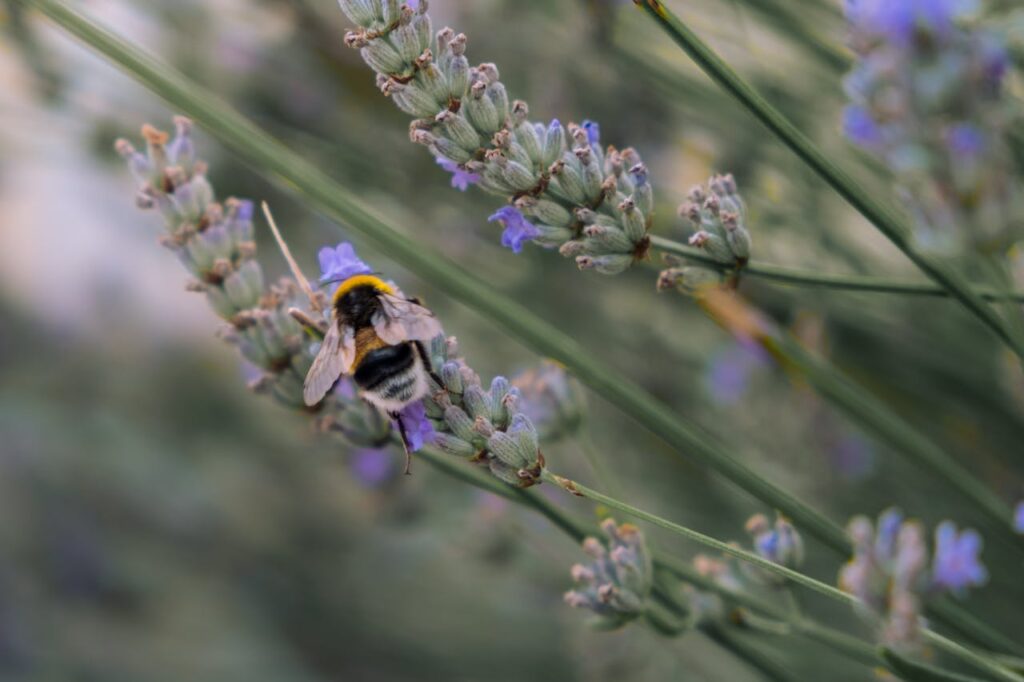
point(382, 364)
point(391, 377)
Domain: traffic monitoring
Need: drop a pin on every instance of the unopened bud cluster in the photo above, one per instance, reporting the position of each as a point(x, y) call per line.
point(892, 575)
point(552, 399)
point(717, 214)
point(927, 97)
point(214, 241)
point(482, 424)
point(563, 189)
point(779, 543)
point(616, 582)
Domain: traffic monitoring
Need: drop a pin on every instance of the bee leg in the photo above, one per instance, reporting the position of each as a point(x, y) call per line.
point(405, 442)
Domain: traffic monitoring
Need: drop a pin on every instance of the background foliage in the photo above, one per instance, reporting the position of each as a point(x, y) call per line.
point(160, 522)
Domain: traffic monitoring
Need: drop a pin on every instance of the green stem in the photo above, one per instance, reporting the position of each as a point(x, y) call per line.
point(972, 627)
point(805, 278)
point(601, 472)
point(661, 620)
point(793, 22)
point(666, 623)
point(877, 418)
point(857, 196)
point(853, 648)
point(748, 600)
point(792, 576)
point(994, 668)
point(728, 640)
point(789, 574)
point(845, 644)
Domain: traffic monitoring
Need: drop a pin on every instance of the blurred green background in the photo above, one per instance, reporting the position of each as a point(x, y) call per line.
point(159, 522)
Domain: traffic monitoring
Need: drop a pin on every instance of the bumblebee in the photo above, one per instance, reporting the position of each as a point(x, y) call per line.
point(375, 335)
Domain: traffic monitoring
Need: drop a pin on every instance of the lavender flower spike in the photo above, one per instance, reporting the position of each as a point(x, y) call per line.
point(616, 582)
point(481, 424)
point(1018, 518)
point(890, 570)
point(214, 241)
point(927, 97)
point(593, 204)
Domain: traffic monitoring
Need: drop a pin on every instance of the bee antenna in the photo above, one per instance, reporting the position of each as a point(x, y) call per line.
point(314, 302)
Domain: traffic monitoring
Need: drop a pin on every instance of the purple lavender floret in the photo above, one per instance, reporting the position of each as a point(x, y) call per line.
point(461, 178)
point(373, 467)
point(518, 229)
point(956, 565)
point(860, 127)
point(418, 428)
point(340, 263)
point(966, 140)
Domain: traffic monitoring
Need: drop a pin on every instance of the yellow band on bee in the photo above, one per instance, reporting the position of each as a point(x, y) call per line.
point(362, 281)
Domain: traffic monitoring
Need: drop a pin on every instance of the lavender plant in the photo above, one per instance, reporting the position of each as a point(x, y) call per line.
point(214, 241)
point(891, 576)
point(717, 213)
point(616, 583)
point(463, 418)
point(717, 210)
point(928, 98)
point(552, 399)
point(216, 246)
point(485, 425)
point(460, 417)
point(779, 543)
point(563, 189)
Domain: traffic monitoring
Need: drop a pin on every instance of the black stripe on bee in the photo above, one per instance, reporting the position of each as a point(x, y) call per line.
point(383, 364)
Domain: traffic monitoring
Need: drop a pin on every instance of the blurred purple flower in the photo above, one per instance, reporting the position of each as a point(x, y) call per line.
point(593, 129)
point(418, 429)
point(517, 228)
point(727, 376)
point(853, 456)
point(966, 140)
point(181, 150)
point(900, 20)
point(1018, 518)
point(956, 565)
point(779, 543)
point(995, 59)
point(889, 524)
point(340, 263)
point(413, 4)
point(860, 127)
point(345, 389)
point(461, 178)
point(373, 467)
point(245, 210)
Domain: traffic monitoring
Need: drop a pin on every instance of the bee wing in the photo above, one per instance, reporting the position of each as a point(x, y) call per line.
point(337, 353)
point(401, 320)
